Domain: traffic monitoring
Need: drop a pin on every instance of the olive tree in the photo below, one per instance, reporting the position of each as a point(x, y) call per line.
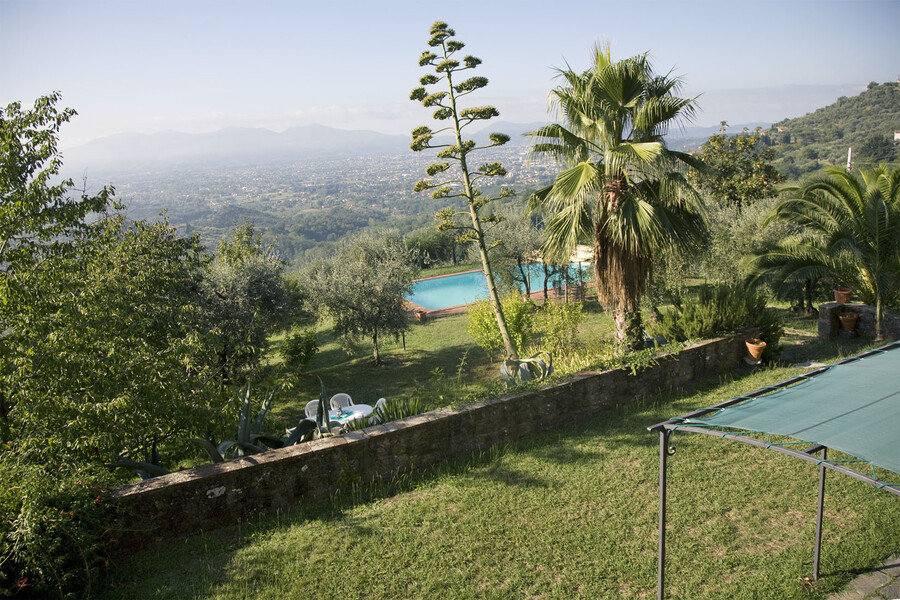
point(247, 298)
point(515, 243)
point(361, 288)
point(456, 153)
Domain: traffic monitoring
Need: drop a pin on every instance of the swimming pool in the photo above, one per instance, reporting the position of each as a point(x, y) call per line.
point(464, 288)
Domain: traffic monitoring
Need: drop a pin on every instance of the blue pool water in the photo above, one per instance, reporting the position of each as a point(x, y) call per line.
point(465, 288)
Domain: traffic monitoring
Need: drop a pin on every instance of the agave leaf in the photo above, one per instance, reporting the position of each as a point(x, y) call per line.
point(267, 440)
point(322, 413)
point(243, 448)
point(244, 417)
point(214, 455)
point(266, 405)
point(144, 469)
point(304, 428)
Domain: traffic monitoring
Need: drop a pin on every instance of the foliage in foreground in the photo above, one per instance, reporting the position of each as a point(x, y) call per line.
point(117, 339)
point(54, 535)
point(482, 324)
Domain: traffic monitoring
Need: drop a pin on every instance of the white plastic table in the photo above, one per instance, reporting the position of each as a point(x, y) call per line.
point(350, 413)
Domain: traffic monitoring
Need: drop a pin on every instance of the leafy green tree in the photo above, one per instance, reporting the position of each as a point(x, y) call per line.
point(434, 246)
point(40, 225)
point(446, 67)
point(743, 172)
point(248, 299)
point(850, 233)
point(735, 233)
point(39, 221)
point(103, 351)
point(118, 360)
point(620, 186)
point(362, 287)
point(876, 149)
point(514, 243)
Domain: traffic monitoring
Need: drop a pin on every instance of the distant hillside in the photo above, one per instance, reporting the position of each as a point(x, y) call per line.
point(110, 157)
point(865, 123)
point(231, 147)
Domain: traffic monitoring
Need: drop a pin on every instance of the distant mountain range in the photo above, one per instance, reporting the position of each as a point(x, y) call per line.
point(246, 146)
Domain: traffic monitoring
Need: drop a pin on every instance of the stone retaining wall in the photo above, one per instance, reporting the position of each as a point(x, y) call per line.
point(829, 325)
point(213, 496)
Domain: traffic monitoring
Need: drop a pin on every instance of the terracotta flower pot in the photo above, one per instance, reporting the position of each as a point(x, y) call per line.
point(842, 295)
point(848, 320)
point(755, 347)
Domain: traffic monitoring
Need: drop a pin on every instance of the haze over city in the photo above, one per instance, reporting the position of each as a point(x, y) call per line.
point(199, 66)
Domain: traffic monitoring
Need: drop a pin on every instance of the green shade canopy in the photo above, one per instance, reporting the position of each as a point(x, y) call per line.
point(852, 407)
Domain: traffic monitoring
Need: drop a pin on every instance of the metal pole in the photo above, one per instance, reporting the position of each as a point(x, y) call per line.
point(663, 453)
point(819, 514)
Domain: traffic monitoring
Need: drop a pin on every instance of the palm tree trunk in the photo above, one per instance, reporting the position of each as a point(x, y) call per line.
point(619, 276)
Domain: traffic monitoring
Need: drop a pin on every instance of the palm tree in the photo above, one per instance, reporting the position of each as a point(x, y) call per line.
point(849, 231)
point(620, 186)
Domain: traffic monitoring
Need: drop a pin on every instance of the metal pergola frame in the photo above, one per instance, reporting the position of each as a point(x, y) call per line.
point(666, 449)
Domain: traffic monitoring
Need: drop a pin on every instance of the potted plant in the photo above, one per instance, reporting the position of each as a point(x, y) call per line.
point(848, 320)
point(755, 348)
point(842, 294)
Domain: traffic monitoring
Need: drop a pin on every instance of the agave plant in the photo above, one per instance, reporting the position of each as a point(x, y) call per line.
point(144, 469)
point(323, 424)
point(249, 440)
point(392, 411)
point(539, 366)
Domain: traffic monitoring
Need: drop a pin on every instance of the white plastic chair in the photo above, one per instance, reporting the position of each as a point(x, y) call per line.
point(340, 401)
point(378, 412)
point(312, 409)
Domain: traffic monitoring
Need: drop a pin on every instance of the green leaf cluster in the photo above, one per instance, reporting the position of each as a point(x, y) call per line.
point(742, 170)
point(558, 324)
point(482, 324)
point(117, 338)
point(55, 530)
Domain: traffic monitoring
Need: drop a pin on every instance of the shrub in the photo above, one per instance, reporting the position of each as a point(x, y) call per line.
point(299, 348)
point(54, 528)
point(482, 324)
point(720, 310)
point(558, 324)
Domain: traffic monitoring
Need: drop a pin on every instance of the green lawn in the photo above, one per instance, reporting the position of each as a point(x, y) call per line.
point(567, 514)
point(441, 364)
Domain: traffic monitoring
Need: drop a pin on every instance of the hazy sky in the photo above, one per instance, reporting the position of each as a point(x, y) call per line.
point(200, 65)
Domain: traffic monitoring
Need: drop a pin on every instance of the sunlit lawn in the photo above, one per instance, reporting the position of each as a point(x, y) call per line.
point(441, 364)
point(567, 514)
